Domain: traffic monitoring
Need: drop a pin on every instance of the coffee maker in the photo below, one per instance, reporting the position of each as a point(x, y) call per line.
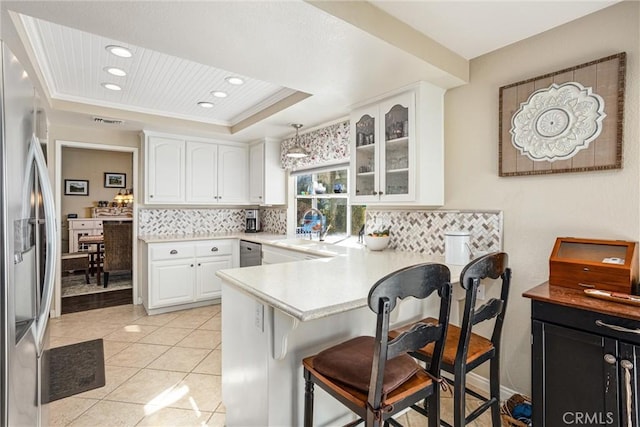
point(252, 219)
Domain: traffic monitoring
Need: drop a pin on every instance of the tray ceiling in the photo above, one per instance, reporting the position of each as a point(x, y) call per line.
point(73, 64)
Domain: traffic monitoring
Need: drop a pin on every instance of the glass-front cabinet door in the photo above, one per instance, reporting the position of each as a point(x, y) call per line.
point(383, 150)
point(397, 158)
point(366, 146)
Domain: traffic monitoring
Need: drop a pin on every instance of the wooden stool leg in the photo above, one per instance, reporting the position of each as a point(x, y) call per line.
point(459, 390)
point(91, 261)
point(494, 386)
point(86, 275)
point(308, 399)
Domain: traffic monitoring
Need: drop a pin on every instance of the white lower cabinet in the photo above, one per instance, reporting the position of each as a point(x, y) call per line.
point(172, 282)
point(183, 274)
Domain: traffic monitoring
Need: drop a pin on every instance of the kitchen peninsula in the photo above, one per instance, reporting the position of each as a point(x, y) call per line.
point(275, 315)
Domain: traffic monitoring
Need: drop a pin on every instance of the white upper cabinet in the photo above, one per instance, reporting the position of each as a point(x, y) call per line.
point(202, 172)
point(197, 172)
point(397, 149)
point(267, 179)
point(233, 174)
point(164, 163)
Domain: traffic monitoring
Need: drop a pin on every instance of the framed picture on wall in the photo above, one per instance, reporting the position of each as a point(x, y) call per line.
point(565, 121)
point(76, 187)
point(115, 180)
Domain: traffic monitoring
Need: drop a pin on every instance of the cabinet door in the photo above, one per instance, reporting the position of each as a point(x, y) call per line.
point(256, 173)
point(575, 377)
point(202, 172)
point(165, 170)
point(208, 285)
point(630, 379)
point(171, 282)
point(365, 142)
point(233, 176)
point(397, 157)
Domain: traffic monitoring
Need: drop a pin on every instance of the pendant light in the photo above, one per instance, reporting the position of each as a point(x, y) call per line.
point(297, 152)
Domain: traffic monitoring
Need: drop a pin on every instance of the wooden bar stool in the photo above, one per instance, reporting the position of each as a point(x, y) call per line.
point(464, 350)
point(375, 377)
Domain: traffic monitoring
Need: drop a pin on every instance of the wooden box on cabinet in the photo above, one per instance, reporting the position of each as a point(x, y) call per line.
point(610, 265)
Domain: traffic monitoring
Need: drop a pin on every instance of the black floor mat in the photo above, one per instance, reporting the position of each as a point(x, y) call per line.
point(72, 369)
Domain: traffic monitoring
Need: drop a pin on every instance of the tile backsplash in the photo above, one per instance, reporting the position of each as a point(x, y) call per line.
point(193, 221)
point(189, 221)
point(419, 231)
point(274, 220)
point(423, 231)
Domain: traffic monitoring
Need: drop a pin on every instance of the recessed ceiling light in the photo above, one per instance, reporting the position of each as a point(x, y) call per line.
point(205, 104)
point(234, 80)
point(115, 71)
point(120, 51)
point(219, 94)
point(111, 86)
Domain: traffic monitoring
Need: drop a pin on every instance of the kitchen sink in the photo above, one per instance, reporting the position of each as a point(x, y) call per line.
point(297, 242)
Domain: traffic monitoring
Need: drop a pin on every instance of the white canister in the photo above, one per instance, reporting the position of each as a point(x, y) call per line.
point(456, 247)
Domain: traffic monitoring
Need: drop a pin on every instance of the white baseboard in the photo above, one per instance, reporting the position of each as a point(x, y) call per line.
point(482, 383)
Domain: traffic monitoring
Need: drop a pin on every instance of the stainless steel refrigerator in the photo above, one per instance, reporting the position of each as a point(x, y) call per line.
point(28, 237)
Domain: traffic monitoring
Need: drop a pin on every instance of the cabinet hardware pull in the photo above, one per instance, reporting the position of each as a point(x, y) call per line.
point(191, 265)
point(610, 359)
point(199, 265)
point(585, 268)
point(381, 193)
point(214, 249)
point(259, 197)
point(173, 252)
point(617, 328)
point(628, 366)
point(151, 196)
point(375, 193)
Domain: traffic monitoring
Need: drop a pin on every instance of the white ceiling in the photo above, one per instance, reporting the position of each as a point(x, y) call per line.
point(473, 28)
point(283, 48)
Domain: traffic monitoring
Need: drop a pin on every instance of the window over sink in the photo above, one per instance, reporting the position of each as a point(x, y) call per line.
point(327, 190)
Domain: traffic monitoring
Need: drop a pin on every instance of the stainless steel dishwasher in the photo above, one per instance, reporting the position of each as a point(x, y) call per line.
point(250, 253)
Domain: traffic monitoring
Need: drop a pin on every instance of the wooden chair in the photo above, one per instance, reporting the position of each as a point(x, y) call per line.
point(76, 261)
point(375, 377)
point(117, 248)
point(464, 350)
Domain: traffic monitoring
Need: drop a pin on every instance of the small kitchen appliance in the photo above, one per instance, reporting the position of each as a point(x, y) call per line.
point(252, 219)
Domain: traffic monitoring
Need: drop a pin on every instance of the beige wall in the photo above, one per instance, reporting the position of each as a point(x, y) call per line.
point(89, 164)
point(538, 209)
point(78, 163)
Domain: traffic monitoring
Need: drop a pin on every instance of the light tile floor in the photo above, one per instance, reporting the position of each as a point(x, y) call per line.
point(162, 370)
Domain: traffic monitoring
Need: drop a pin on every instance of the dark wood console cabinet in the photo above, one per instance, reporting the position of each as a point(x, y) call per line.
point(585, 360)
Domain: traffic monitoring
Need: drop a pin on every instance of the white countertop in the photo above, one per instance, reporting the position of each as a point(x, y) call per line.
point(317, 288)
point(312, 289)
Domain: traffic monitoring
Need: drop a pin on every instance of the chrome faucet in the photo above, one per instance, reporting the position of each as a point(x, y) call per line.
point(322, 233)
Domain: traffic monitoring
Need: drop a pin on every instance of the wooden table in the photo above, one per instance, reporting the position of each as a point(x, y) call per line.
point(94, 240)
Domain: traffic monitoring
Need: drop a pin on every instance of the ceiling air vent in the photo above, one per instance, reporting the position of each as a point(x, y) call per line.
point(107, 121)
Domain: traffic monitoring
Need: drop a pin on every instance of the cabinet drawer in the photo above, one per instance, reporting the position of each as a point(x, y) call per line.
point(171, 251)
point(83, 225)
point(583, 276)
point(590, 321)
point(215, 247)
